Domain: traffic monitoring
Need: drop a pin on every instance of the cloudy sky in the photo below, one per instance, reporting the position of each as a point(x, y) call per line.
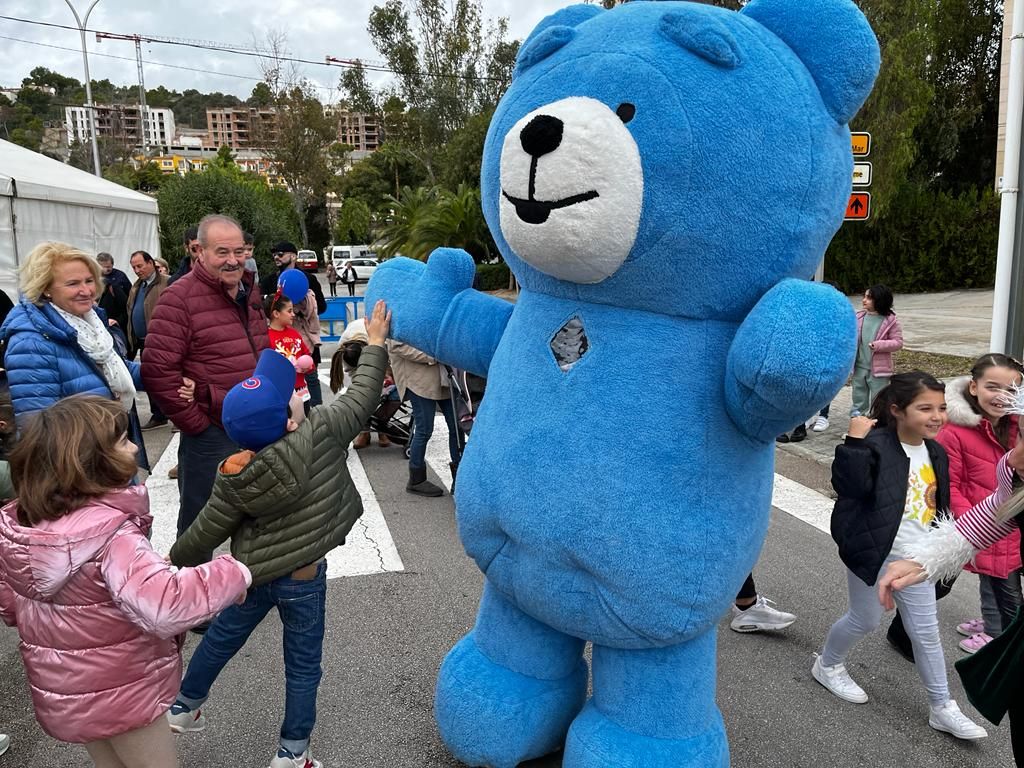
point(314, 28)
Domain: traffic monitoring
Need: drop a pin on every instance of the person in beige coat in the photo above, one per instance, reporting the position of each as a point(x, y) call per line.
point(422, 381)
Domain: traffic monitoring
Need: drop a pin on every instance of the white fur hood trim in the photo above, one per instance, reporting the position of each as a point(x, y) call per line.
point(958, 409)
point(942, 552)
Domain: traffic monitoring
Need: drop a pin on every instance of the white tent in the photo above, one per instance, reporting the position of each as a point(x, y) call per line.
point(44, 199)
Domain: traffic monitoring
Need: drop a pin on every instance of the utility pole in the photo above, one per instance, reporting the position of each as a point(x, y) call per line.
point(1007, 304)
point(90, 108)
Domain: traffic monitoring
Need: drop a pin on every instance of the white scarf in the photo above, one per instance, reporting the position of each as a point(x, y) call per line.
point(98, 344)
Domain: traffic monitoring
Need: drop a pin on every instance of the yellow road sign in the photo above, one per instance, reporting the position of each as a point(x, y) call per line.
point(861, 144)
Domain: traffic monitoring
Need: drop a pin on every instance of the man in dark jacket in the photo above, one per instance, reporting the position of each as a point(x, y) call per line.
point(285, 255)
point(142, 301)
point(209, 327)
point(190, 241)
point(114, 297)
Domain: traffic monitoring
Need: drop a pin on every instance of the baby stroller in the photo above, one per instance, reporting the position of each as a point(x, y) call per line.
point(393, 418)
point(462, 404)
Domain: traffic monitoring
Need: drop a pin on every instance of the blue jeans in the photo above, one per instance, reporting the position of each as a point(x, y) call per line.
point(199, 456)
point(423, 410)
point(300, 604)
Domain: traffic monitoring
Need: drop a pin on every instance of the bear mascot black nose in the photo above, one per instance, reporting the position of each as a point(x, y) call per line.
point(541, 135)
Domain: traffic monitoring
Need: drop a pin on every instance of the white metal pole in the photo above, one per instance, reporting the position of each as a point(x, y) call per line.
point(90, 108)
point(1011, 185)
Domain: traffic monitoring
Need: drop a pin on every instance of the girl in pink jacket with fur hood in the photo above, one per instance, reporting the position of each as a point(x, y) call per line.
point(978, 433)
point(97, 609)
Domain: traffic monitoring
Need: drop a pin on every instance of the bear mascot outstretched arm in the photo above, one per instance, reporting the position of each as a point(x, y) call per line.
point(659, 177)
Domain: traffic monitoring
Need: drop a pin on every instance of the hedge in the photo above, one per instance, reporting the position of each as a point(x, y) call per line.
point(927, 241)
point(493, 277)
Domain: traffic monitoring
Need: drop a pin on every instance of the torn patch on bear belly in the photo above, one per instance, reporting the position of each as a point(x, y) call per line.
point(570, 344)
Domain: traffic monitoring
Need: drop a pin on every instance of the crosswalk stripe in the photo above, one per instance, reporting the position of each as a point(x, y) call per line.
point(369, 547)
point(802, 502)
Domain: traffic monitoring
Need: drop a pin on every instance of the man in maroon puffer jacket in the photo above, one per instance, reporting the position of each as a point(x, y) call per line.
point(208, 326)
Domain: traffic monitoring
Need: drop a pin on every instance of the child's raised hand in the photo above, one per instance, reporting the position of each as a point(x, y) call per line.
point(860, 426)
point(1016, 458)
point(379, 324)
point(187, 390)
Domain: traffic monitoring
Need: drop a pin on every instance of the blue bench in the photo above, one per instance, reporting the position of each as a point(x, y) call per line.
point(340, 310)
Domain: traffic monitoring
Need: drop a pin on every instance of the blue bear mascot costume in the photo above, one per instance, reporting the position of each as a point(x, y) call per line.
point(656, 177)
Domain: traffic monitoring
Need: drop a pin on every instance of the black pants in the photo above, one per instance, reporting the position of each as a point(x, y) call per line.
point(351, 289)
point(1017, 734)
point(749, 589)
point(199, 456)
point(334, 288)
point(154, 408)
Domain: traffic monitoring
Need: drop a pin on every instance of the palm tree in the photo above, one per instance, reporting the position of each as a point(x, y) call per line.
point(401, 219)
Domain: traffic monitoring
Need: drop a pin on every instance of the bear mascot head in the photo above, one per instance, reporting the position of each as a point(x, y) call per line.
point(662, 178)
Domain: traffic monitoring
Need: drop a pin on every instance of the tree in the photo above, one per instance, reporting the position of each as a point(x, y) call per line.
point(354, 222)
point(450, 65)
point(421, 220)
point(460, 159)
point(224, 158)
point(299, 145)
point(184, 200)
point(956, 138)
point(261, 96)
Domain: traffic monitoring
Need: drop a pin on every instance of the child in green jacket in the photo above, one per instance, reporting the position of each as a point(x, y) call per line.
point(285, 502)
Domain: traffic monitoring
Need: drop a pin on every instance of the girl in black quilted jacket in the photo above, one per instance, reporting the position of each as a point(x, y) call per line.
point(892, 479)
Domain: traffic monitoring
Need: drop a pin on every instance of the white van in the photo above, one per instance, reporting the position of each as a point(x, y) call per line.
point(363, 260)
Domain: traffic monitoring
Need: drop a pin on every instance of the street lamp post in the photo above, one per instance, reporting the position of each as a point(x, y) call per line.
point(89, 106)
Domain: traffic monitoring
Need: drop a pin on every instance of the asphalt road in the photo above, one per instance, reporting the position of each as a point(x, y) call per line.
point(387, 633)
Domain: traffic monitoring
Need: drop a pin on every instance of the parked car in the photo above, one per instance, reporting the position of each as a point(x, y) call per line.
point(342, 253)
point(364, 268)
point(306, 261)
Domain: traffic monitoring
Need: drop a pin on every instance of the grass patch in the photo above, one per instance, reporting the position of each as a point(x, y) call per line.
point(939, 366)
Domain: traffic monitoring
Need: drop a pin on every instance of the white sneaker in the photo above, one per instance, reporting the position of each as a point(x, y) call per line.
point(184, 720)
point(820, 424)
point(949, 719)
point(760, 616)
point(286, 759)
point(838, 680)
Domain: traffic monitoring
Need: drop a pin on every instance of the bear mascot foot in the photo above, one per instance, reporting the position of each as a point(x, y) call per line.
point(491, 716)
point(595, 741)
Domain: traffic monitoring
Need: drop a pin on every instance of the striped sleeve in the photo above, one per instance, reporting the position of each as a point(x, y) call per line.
point(979, 525)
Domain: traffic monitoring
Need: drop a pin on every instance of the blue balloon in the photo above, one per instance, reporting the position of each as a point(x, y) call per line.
point(293, 284)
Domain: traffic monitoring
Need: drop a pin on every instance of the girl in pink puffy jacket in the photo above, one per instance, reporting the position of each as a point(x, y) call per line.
point(97, 609)
point(878, 335)
point(978, 433)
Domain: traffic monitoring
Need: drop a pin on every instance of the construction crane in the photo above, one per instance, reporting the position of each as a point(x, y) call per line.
point(140, 39)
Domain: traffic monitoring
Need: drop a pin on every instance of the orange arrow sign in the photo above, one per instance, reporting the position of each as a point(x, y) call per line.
point(859, 206)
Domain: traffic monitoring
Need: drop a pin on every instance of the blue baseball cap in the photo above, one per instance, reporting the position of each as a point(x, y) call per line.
point(255, 412)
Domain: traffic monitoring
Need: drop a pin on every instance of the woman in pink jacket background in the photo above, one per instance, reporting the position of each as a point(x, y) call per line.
point(978, 433)
point(98, 611)
point(879, 334)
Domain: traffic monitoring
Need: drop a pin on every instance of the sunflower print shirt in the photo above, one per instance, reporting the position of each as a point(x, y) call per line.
point(922, 488)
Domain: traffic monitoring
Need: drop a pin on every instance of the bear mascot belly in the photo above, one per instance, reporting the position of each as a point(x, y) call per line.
point(658, 177)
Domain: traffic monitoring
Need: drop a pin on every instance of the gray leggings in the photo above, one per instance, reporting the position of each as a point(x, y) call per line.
point(917, 608)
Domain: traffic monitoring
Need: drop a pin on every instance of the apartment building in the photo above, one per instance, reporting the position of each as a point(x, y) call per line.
point(359, 130)
point(122, 122)
point(241, 127)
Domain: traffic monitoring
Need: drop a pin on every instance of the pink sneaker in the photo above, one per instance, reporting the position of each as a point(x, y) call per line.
point(975, 643)
point(972, 627)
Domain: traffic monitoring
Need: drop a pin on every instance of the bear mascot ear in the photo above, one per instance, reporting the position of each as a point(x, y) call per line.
point(552, 33)
point(835, 43)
